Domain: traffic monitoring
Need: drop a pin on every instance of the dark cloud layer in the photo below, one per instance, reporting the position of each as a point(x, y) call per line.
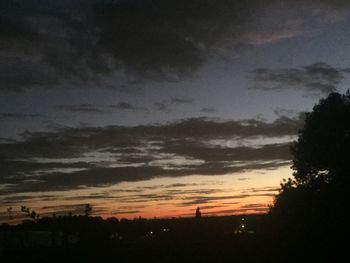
point(72, 158)
point(50, 43)
point(318, 77)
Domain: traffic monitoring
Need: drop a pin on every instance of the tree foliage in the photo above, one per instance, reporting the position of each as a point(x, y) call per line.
point(322, 152)
point(30, 213)
point(316, 197)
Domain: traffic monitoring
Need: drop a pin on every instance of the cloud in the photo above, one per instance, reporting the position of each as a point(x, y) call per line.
point(89, 108)
point(81, 108)
point(70, 158)
point(182, 100)
point(238, 210)
point(162, 106)
point(21, 199)
point(285, 112)
point(176, 185)
point(209, 110)
point(127, 106)
point(243, 179)
point(10, 115)
point(263, 189)
point(72, 43)
point(205, 202)
point(199, 200)
point(318, 77)
point(255, 206)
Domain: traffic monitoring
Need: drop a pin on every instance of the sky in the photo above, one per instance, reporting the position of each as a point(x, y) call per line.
point(153, 108)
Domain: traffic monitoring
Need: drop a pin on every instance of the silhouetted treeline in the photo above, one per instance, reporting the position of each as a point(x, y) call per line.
point(206, 239)
point(97, 228)
point(202, 239)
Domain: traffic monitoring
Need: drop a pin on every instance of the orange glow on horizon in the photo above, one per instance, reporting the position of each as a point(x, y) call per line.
point(251, 192)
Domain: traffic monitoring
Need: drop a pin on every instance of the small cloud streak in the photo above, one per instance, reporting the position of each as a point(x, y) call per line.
point(127, 106)
point(17, 116)
point(318, 77)
point(81, 108)
point(182, 100)
point(161, 106)
point(209, 110)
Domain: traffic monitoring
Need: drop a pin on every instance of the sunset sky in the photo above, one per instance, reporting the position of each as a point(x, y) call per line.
point(153, 108)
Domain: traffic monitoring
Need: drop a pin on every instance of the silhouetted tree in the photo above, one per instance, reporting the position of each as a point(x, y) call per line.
point(88, 209)
point(322, 152)
point(315, 198)
point(30, 213)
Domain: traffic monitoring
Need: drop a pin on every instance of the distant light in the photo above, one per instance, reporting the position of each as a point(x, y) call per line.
point(151, 233)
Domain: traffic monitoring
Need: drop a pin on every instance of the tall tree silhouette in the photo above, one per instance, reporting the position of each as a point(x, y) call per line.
point(315, 198)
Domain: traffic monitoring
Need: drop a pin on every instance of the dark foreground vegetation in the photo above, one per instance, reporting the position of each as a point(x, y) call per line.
point(206, 239)
point(307, 222)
